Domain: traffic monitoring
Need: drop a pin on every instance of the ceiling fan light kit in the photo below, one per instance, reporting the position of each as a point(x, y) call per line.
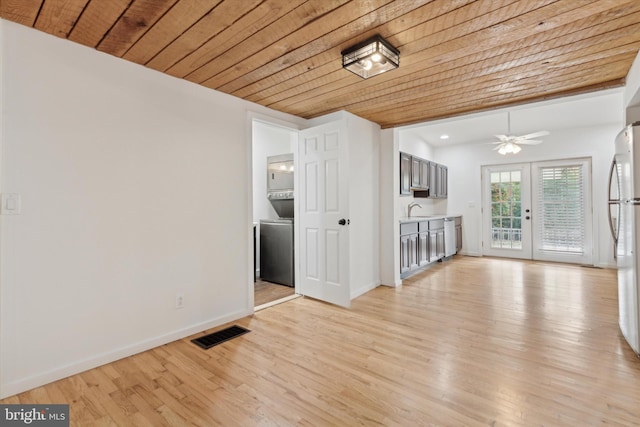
point(510, 144)
point(508, 148)
point(371, 57)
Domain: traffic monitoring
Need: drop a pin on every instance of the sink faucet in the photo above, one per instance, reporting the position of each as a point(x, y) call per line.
point(411, 206)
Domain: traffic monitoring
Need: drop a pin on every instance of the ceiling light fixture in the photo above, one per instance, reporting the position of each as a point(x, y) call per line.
point(509, 148)
point(371, 57)
point(444, 136)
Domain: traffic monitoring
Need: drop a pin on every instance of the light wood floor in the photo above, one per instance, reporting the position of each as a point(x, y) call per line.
point(265, 292)
point(470, 342)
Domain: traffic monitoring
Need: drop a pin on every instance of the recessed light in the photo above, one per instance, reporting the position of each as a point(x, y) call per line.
point(444, 136)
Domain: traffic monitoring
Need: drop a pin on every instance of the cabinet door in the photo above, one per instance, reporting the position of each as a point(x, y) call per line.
point(442, 181)
point(423, 249)
point(415, 172)
point(445, 182)
point(405, 173)
point(440, 243)
point(424, 174)
point(405, 262)
point(433, 246)
point(413, 251)
point(433, 179)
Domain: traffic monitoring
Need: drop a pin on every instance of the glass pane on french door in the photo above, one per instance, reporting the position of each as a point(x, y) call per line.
point(506, 207)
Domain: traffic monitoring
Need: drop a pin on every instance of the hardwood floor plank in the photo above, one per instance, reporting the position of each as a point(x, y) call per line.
point(265, 292)
point(471, 341)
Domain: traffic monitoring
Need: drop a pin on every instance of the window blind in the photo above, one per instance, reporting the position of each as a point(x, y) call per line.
point(561, 209)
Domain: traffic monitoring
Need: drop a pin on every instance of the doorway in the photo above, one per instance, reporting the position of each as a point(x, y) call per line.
point(268, 140)
point(538, 210)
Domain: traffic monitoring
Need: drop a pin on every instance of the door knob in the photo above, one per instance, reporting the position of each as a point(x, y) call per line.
point(527, 217)
point(342, 221)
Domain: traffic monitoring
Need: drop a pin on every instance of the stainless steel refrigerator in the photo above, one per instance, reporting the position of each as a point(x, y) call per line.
point(624, 220)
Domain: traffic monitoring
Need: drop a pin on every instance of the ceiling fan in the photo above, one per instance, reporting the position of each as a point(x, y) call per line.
point(510, 144)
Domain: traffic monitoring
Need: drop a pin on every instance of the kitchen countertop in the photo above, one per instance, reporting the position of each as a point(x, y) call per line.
point(418, 218)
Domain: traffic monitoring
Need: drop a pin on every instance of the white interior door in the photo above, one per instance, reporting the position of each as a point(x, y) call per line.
point(506, 210)
point(323, 213)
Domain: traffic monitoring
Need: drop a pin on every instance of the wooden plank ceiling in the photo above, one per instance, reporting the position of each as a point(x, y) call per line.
point(457, 56)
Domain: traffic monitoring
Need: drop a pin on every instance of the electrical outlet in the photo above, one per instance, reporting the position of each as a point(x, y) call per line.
point(10, 204)
point(179, 300)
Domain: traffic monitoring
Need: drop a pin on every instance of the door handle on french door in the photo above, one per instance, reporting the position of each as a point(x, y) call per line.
point(527, 217)
point(342, 221)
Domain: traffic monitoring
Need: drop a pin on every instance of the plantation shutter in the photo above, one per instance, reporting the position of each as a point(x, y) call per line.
point(561, 209)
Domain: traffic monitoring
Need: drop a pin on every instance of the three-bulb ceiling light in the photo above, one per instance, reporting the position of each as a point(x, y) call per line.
point(509, 148)
point(371, 57)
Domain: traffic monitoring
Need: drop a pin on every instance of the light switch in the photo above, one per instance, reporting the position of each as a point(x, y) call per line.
point(11, 204)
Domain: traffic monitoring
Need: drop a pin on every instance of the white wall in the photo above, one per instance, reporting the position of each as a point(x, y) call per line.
point(631, 99)
point(133, 189)
point(364, 204)
point(389, 194)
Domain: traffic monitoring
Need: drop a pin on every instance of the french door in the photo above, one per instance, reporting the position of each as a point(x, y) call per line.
point(539, 210)
point(507, 211)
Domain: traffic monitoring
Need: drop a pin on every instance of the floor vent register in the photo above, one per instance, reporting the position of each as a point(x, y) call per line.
point(219, 337)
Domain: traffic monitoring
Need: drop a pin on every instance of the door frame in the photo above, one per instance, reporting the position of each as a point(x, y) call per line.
point(590, 220)
point(295, 128)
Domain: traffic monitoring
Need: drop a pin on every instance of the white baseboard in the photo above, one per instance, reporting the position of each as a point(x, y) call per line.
point(355, 293)
point(470, 253)
point(606, 265)
point(394, 285)
point(43, 378)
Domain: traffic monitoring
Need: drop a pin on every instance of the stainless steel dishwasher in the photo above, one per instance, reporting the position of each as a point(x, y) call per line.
point(449, 237)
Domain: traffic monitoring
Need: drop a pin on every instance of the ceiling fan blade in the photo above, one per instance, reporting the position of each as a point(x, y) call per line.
point(534, 135)
point(502, 138)
point(497, 147)
point(529, 142)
